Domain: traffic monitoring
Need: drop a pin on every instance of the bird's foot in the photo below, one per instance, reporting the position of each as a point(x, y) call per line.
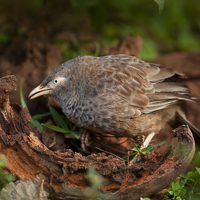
point(144, 145)
point(84, 139)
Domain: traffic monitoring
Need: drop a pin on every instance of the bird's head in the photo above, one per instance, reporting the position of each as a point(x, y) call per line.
point(52, 84)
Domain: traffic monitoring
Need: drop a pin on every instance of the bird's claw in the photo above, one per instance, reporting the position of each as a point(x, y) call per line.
point(84, 139)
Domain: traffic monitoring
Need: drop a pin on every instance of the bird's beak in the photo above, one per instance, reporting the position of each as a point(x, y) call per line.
point(39, 91)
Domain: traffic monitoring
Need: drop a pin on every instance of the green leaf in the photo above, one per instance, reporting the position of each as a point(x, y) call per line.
point(176, 192)
point(182, 183)
point(137, 149)
point(40, 116)
point(151, 147)
point(55, 128)
point(178, 198)
point(183, 175)
point(10, 178)
point(191, 193)
point(59, 118)
point(68, 122)
point(170, 191)
point(160, 4)
point(74, 134)
point(183, 191)
point(192, 176)
point(2, 161)
point(197, 161)
point(23, 102)
point(34, 122)
point(198, 170)
point(175, 186)
point(37, 124)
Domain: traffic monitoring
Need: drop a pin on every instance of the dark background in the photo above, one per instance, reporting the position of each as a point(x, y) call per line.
point(86, 27)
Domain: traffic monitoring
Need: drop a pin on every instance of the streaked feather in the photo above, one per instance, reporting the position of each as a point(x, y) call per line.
point(148, 87)
point(163, 74)
point(171, 87)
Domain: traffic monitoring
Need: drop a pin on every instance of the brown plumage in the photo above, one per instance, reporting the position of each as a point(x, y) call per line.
point(116, 94)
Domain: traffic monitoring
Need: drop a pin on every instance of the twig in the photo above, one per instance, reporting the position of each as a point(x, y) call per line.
point(118, 151)
point(109, 153)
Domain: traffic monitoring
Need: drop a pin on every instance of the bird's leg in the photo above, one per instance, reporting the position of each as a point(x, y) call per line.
point(144, 145)
point(84, 139)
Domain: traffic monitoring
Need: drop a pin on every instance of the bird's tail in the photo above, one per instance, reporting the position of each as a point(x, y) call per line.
point(181, 119)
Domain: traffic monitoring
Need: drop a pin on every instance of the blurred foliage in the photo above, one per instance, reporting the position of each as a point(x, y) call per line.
point(85, 27)
point(160, 4)
point(94, 191)
point(5, 178)
point(187, 186)
point(34, 122)
point(144, 151)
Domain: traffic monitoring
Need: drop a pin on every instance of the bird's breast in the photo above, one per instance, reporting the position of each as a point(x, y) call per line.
point(80, 114)
point(89, 115)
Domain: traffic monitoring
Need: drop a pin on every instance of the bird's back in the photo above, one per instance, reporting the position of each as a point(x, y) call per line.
point(117, 90)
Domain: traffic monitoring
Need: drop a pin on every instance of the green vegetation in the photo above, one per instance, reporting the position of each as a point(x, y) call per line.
point(93, 191)
point(187, 186)
point(63, 122)
point(35, 118)
point(145, 198)
point(160, 4)
point(95, 181)
point(86, 27)
point(145, 150)
point(5, 178)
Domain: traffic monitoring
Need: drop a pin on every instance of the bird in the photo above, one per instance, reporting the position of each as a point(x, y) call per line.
point(117, 94)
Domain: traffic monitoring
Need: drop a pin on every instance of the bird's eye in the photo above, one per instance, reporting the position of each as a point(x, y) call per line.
point(56, 81)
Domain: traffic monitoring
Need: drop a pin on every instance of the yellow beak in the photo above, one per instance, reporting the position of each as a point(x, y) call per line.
point(39, 91)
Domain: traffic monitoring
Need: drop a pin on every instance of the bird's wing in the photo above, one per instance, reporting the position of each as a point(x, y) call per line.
point(132, 87)
point(167, 90)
